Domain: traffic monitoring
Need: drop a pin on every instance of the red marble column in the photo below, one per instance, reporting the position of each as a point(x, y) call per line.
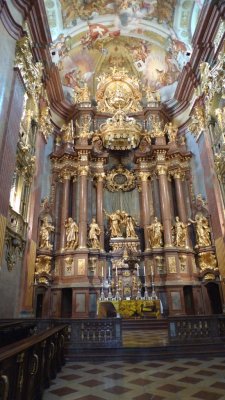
point(83, 172)
point(74, 202)
point(165, 205)
point(145, 204)
point(181, 200)
point(180, 196)
point(99, 206)
point(64, 208)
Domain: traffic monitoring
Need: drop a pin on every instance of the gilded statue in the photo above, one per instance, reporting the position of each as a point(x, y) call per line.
point(45, 231)
point(171, 130)
point(94, 234)
point(84, 127)
point(115, 222)
point(71, 234)
point(154, 232)
point(68, 132)
point(180, 233)
point(202, 230)
point(83, 95)
point(130, 224)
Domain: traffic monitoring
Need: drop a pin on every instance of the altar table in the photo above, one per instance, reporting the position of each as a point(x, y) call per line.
point(128, 308)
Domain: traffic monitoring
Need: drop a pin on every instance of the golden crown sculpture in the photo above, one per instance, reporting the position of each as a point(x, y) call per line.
point(118, 91)
point(120, 132)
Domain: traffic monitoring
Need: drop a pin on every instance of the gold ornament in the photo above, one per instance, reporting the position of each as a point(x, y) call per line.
point(154, 232)
point(118, 90)
point(71, 234)
point(120, 178)
point(207, 261)
point(94, 234)
point(120, 132)
point(44, 235)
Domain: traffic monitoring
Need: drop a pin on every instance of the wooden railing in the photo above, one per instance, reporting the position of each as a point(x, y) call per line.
point(197, 329)
point(27, 367)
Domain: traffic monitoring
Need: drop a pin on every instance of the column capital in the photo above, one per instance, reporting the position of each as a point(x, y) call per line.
point(99, 176)
point(64, 175)
point(177, 174)
point(161, 169)
point(83, 170)
point(144, 175)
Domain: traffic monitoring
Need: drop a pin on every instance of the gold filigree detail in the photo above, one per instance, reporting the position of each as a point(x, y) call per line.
point(118, 90)
point(120, 132)
point(68, 132)
point(207, 260)
point(82, 95)
point(120, 178)
point(161, 169)
point(83, 170)
point(172, 269)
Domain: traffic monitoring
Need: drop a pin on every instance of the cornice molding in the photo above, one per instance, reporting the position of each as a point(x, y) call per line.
point(12, 27)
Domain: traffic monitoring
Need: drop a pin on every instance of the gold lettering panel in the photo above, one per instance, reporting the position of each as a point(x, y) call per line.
point(172, 269)
point(81, 266)
point(68, 267)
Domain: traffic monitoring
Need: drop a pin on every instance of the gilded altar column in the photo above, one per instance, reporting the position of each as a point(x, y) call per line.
point(83, 173)
point(64, 208)
point(165, 204)
point(144, 176)
point(99, 205)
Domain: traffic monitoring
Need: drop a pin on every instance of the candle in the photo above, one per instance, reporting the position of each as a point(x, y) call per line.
point(109, 272)
point(137, 269)
point(144, 270)
point(116, 270)
point(102, 271)
point(152, 270)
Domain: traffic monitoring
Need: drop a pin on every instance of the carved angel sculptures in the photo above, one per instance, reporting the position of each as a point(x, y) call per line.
point(117, 220)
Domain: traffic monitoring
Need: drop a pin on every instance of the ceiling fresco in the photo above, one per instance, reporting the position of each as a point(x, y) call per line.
point(150, 38)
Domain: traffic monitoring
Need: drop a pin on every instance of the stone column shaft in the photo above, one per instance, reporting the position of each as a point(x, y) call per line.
point(165, 206)
point(64, 209)
point(180, 199)
point(83, 207)
point(99, 209)
point(145, 205)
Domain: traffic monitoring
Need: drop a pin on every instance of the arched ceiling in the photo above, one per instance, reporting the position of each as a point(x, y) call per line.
point(150, 38)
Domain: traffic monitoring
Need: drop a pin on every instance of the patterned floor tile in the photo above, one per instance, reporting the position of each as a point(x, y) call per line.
point(218, 385)
point(141, 382)
point(91, 383)
point(90, 397)
point(148, 396)
point(161, 375)
point(171, 388)
point(115, 375)
point(117, 390)
point(207, 395)
point(71, 377)
point(63, 391)
point(95, 371)
point(190, 379)
point(183, 379)
point(205, 373)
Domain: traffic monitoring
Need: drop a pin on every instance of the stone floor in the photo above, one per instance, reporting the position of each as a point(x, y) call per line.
point(181, 379)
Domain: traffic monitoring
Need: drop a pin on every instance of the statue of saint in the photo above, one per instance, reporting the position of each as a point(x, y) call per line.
point(71, 234)
point(115, 222)
point(202, 230)
point(180, 233)
point(171, 130)
point(68, 132)
point(45, 231)
point(94, 233)
point(155, 233)
point(130, 224)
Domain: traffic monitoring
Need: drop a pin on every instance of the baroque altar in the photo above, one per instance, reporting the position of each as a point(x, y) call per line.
point(122, 196)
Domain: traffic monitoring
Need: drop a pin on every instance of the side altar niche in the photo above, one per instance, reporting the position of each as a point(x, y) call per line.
point(121, 195)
